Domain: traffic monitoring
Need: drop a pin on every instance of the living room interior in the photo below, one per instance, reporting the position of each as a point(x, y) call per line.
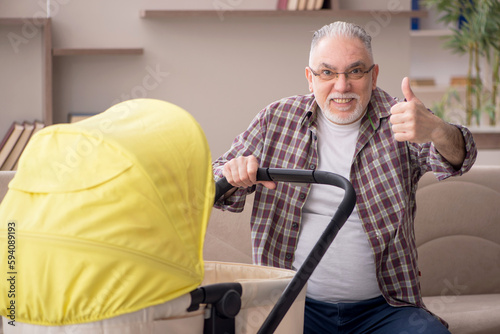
point(225, 60)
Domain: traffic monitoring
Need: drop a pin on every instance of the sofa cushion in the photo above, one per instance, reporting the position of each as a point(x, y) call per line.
point(456, 207)
point(460, 268)
point(478, 314)
point(457, 229)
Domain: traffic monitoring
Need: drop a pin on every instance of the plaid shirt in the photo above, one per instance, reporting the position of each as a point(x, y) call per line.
point(384, 173)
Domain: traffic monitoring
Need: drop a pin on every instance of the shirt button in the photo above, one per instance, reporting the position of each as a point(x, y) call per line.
point(288, 256)
point(313, 166)
point(302, 196)
point(295, 225)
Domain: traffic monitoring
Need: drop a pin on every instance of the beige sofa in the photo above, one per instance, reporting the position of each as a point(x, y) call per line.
point(458, 237)
point(457, 229)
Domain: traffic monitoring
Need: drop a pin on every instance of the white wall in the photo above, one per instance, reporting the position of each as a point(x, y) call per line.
point(21, 64)
point(21, 79)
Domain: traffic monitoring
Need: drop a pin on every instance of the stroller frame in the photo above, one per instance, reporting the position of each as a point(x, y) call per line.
point(224, 300)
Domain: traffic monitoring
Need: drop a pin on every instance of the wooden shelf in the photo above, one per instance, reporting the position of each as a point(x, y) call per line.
point(430, 33)
point(441, 89)
point(273, 13)
point(23, 20)
point(487, 140)
point(96, 51)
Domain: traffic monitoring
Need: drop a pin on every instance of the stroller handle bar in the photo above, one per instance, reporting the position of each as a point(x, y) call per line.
point(291, 175)
point(304, 272)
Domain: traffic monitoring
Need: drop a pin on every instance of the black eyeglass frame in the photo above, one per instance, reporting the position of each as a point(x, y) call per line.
point(345, 73)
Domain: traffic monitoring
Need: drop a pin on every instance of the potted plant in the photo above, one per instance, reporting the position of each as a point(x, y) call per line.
point(476, 34)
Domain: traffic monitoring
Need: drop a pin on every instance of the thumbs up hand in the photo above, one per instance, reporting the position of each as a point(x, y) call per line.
point(411, 121)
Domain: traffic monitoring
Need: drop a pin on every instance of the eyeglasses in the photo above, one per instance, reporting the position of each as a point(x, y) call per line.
point(354, 74)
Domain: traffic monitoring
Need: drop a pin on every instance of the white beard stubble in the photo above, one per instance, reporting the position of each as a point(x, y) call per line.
point(343, 120)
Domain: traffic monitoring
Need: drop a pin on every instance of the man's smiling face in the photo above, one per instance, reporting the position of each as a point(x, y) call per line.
point(342, 100)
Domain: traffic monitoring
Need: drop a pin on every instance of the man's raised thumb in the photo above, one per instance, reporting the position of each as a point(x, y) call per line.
point(407, 92)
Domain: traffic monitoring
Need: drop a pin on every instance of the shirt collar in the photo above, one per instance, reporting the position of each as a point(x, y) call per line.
point(379, 107)
point(310, 111)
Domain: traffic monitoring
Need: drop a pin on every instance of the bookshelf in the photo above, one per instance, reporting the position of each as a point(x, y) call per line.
point(45, 24)
point(149, 13)
point(96, 51)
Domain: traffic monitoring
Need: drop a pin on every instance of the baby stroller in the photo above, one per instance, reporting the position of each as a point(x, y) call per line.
point(105, 221)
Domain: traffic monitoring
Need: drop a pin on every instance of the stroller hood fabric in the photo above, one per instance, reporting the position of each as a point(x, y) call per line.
point(109, 215)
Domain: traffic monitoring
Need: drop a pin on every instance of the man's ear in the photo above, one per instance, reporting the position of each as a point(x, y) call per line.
point(309, 77)
point(375, 76)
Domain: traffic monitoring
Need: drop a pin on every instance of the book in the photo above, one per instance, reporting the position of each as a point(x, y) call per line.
point(302, 5)
point(282, 4)
point(311, 4)
point(76, 117)
point(292, 4)
point(319, 4)
point(37, 126)
point(415, 21)
point(331, 4)
point(462, 81)
point(18, 148)
point(9, 141)
point(418, 82)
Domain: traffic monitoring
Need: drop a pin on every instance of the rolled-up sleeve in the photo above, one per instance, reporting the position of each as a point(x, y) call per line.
point(442, 168)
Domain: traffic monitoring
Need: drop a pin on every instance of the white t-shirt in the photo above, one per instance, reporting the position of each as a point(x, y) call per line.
point(347, 271)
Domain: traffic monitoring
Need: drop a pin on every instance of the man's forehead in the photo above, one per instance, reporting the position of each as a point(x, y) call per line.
point(340, 52)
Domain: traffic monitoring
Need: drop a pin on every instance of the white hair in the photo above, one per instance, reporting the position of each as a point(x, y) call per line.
point(342, 29)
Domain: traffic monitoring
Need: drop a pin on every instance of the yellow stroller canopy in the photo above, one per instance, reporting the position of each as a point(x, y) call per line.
point(109, 215)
